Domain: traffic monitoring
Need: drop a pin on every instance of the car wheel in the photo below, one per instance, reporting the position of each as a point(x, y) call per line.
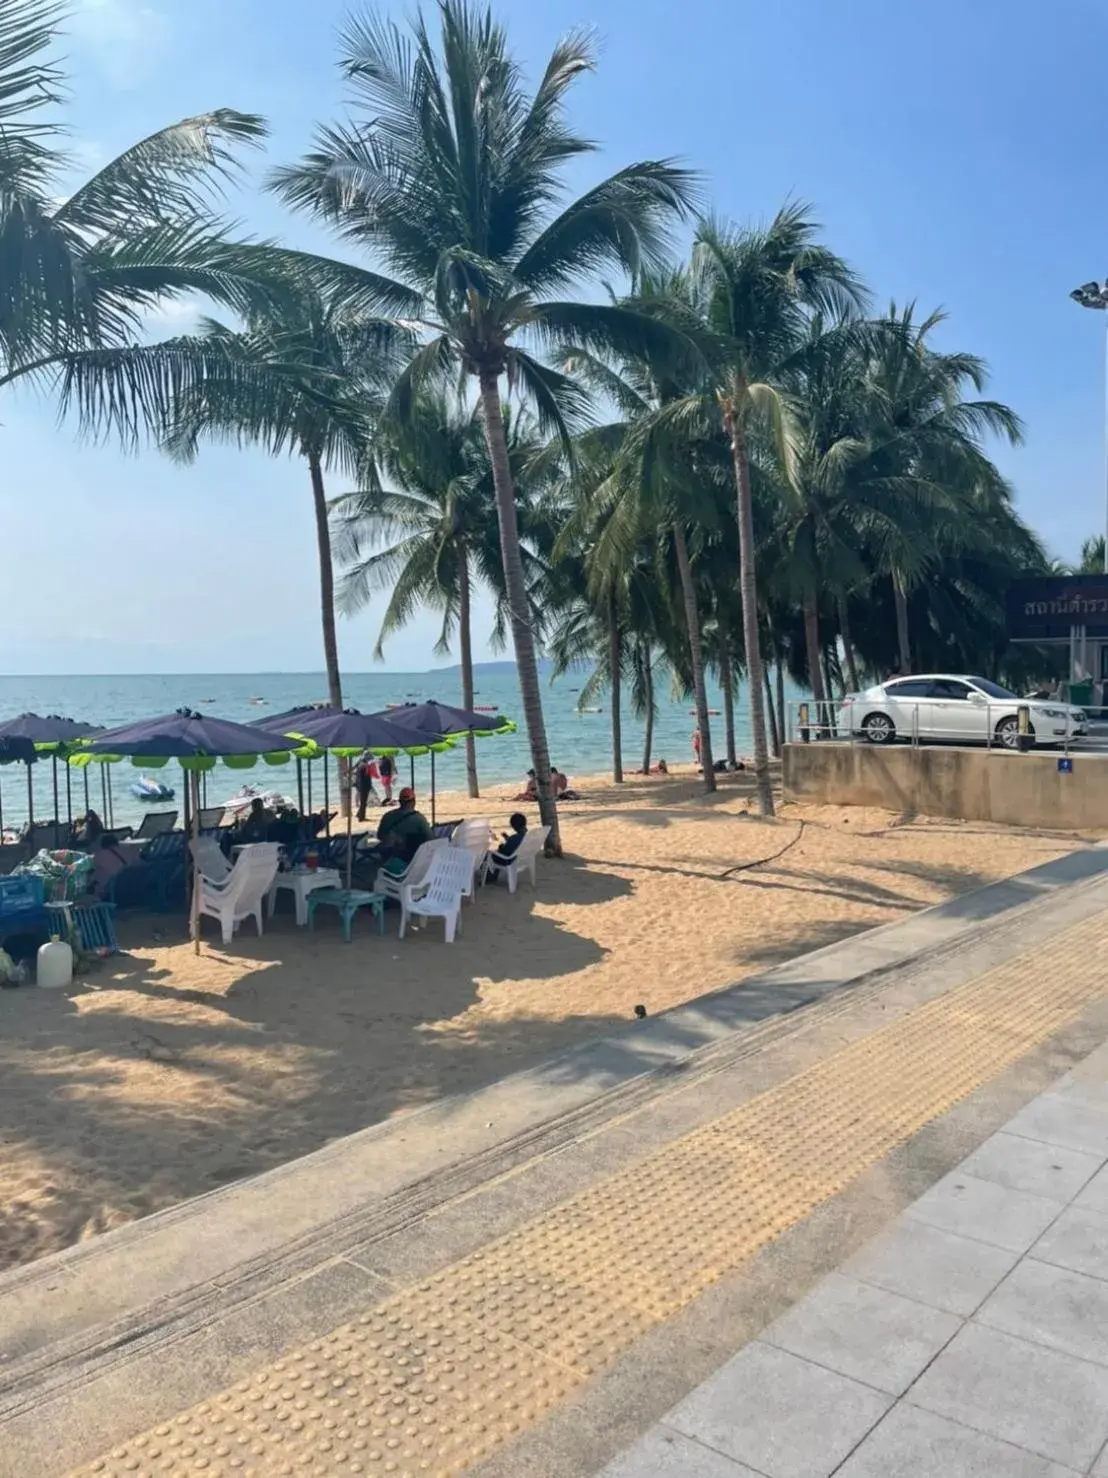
point(1008, 732)
point(878, 728)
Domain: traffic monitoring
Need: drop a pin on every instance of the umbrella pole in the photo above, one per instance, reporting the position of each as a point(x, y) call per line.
point(300, 784)
point(194, 919)
point(30, 801)
point(190, 860)
point(111, 797)
point(309, 769)
point(432, 787)
point(349, 845)
point(411, 766)
point(104, 797)
point(84, 774)
point(326, 794)
point(1, 818)
point(54, 768)
point(69, 797)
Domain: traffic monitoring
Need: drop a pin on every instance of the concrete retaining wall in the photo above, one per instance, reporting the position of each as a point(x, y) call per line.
point(972, 784)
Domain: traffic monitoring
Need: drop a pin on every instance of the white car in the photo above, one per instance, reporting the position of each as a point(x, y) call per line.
point(956, 709)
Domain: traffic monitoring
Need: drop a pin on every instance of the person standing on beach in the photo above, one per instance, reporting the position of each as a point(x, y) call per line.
point(696, 747)
point(386, 773)
point(363, 779)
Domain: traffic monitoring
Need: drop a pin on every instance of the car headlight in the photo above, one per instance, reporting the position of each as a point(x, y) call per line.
point(1053, 712)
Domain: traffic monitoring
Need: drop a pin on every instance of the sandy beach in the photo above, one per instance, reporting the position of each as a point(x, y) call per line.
point(161, 1075)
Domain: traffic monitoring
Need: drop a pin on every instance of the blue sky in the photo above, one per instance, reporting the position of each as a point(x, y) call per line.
point(954, 152)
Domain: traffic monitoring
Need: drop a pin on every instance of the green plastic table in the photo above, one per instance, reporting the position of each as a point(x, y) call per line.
point(348, 901)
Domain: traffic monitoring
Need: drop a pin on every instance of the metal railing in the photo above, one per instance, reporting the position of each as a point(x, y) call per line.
point(1003, 726)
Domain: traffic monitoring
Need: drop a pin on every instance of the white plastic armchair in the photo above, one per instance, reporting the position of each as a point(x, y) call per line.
point(475, 837)
point(240, 894)
point(439, 896)
point(208, 857)
point(390, 883)
point(525, 857)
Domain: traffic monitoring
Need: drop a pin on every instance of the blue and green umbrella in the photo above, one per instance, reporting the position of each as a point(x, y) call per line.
point(198, 742)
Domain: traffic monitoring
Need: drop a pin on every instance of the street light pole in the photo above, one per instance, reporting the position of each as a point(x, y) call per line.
point(1095, 295)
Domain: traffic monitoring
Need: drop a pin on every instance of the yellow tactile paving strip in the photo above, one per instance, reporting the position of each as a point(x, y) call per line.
point(440, 1375)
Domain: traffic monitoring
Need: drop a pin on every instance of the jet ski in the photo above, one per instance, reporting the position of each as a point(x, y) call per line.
point(146, 788)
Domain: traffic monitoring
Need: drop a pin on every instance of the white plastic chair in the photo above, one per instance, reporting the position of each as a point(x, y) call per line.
point(240, 894)
point(475, 837)
point(439, 896)
point(524, 858)
point(208, 857)
point(390, 883)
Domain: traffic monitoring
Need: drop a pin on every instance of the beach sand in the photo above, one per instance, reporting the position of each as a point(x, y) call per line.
point(161, 1075)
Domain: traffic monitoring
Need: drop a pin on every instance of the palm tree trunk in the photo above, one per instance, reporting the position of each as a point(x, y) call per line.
point(904, 645)
point(692, 626)
point(648, 695)
point(811, 648)
point(523, 638)
point(848, 645)
point(465, 646)
point(615, 666)
point(327, 612)
point(748, 589)
point(774, 732)
point(727, 683)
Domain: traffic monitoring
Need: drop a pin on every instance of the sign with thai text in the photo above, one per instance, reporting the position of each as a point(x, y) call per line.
point(1048, 607)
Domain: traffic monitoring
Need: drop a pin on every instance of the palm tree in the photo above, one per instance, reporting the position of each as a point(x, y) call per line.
point(756, 288)
point(927, 472)
point(1092, 560)
point(437, 526)
point(451, 180)
point(80, 270)
point(312, 373)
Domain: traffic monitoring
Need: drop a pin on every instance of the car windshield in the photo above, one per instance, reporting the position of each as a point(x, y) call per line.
point(994, 690)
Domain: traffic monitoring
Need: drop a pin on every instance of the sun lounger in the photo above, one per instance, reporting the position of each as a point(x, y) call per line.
point(154, 823)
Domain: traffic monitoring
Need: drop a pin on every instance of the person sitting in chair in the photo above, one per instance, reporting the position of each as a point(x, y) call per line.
point(500, 860)
point(402, 832)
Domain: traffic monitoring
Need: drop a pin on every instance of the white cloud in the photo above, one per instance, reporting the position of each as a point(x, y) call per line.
point(125, 38)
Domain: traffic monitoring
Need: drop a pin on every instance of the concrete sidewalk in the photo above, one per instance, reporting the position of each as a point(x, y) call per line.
point(526, 1278)
point(968, 1340)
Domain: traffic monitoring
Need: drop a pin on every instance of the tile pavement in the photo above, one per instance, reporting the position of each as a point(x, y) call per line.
point(969, 1339)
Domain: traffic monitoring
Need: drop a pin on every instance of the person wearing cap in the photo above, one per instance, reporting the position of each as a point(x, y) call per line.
point(402, 832)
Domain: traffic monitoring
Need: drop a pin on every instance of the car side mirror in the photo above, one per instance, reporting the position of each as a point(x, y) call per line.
point(979, 698)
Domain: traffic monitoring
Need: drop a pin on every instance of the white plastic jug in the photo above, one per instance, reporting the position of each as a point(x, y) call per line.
point(55, 964)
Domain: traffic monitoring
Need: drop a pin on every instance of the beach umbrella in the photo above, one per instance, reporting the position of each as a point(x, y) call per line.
point(196, 741)
point(49, 734)
point(281, 723)
point(432, 718)
point(13, 752)
point(347, 733)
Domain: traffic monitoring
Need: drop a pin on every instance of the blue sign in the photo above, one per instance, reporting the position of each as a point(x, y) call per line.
point(1065, 766)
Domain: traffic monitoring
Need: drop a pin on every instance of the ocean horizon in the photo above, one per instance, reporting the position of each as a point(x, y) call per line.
point(580, 743)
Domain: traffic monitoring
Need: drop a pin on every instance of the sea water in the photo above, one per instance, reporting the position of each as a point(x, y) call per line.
point(580, 743)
